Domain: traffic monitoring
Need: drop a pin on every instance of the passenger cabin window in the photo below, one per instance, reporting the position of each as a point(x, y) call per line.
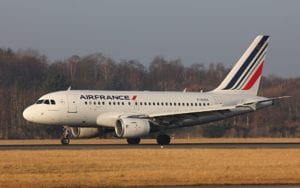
point(46, 102)
point(52, 102)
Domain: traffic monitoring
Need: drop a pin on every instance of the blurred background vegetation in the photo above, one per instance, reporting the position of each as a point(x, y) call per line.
point(25, 75)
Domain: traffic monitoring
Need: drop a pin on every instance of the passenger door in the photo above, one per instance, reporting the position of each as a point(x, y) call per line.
point(72, 107)
point(218, 100)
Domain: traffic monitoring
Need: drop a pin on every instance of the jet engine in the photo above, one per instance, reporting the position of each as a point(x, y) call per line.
point(79, 132)
point(132, 127)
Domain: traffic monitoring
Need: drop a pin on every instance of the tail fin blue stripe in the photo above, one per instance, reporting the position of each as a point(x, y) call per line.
point(247, 62)
point(250, 68)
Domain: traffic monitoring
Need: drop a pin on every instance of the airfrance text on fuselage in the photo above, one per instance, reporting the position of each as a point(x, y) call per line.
point(105, 97)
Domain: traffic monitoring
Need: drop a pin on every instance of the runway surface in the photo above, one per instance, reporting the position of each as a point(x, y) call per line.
point(152, 146)
point(236, 186)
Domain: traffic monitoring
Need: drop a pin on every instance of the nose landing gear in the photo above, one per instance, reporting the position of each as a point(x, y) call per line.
point(65, 139)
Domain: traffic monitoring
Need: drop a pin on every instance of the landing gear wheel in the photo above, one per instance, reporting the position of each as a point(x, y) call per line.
point(133, 141)
point(65, 141)
point(163, 139)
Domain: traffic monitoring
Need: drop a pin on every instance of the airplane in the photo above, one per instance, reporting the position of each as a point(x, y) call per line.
point(137, 114)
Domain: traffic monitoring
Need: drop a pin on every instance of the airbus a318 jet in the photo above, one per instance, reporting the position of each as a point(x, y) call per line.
point(136, 114)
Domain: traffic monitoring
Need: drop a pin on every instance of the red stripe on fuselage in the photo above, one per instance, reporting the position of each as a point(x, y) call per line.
point(254, 78)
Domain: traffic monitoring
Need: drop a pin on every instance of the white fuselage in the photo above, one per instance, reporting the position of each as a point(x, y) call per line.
point(83, 107)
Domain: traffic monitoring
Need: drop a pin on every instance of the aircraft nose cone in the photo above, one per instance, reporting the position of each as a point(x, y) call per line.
point(27, 115)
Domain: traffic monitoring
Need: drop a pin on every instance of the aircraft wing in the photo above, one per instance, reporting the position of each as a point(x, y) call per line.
point(185, 112)
point(183, 118)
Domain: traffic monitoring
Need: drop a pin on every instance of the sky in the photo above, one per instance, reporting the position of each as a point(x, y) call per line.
point(196, 31)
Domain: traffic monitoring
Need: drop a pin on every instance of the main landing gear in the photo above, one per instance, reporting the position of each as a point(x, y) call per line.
point(133, 141)
point(163, 139)
point(65, 139)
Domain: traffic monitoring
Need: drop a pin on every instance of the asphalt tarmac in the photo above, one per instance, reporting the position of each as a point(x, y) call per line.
point(153, 146)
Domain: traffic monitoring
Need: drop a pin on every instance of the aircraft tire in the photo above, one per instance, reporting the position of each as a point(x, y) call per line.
point(133, 141)
point(163, 139)
point(65, 141)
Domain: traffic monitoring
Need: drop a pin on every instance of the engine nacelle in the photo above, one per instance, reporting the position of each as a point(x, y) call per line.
point(132, 127)
point(108, 119)
point(79, 132)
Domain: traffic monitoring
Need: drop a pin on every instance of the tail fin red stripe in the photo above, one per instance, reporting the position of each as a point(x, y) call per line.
point(256, 75)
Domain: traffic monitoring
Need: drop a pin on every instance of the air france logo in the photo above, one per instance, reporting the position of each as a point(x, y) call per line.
point(108, 97)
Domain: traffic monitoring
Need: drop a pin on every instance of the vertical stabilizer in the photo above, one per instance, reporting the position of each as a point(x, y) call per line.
point(246, 74)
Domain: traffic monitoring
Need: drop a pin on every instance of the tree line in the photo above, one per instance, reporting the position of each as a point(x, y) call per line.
point(25, 75)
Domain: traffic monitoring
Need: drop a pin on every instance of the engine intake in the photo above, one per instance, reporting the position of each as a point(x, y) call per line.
point(132, 127)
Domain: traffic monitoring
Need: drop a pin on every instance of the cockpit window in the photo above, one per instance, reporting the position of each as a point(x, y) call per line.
point(52, 102)
point(43, 101)
point(39, 102)
point(46, 102)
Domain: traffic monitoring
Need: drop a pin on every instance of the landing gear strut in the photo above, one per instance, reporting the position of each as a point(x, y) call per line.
point(133, 141)
point(163, 139)
point(65, 139)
